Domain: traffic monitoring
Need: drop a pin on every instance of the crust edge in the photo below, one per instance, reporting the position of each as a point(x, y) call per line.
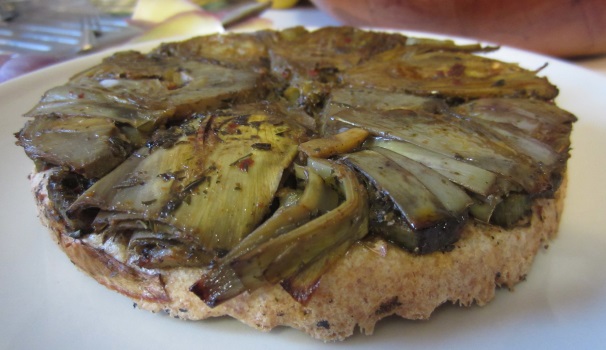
point(380, 280)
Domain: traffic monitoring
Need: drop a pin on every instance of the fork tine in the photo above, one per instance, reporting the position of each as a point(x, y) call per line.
point(87, 35)
point(96, 25)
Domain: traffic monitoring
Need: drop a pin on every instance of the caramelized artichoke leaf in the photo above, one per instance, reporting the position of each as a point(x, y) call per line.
point(453, 137)
point(471, 177)
point(538, 151)
point(541, 120)
point(317, 199)
point(420, 206)
point(280, 258)
point(513, 208)
point(97, 102)
point(450, 74)
point(359, 97)
point(452, 197)
point(153, 250)
point(88, 146)
point(395, 229)
point(146, 91)
point(210, 183)
point(302, 284)
point(344, 142)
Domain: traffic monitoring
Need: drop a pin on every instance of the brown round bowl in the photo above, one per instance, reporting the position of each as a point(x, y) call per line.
point(563, 28)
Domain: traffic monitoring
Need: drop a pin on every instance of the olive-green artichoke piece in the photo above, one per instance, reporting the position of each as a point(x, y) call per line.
point(417, 203)
point(331, 145)
point(96, 101)
point(64, 187)
point(538, 119)
point(240, 50)
point(439, 237)
point(447, 74)
point(211, 180)
point(313, 245)
point(388, 218)
point(151, 249)
point(471, 177)
point(359, 97)
point(513, 208)
point(451, 196)
point(146, 91)
point(88, 146)
point(538, 151)
point(293, 212)
point(450, 136)
point(316, 199)
point(371, 99)
point(484, 207)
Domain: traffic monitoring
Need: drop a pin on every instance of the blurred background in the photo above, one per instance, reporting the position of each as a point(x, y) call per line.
point(38, 33)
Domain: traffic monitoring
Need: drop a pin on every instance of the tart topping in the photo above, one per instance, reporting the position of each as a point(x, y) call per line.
point(265, 161)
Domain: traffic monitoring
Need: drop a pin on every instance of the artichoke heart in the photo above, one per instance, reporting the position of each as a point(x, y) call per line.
point(208, 180)
point(94, 101)
point(541, 120)
point(451, 196)
point(88, 146)
point(403, 209)
point(420, 206)
point(147, 91)
point(450, 136)
point(473, 178)
point(274, 254)
point(447, 73)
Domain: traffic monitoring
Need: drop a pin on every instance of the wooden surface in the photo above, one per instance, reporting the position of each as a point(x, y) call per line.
point(564, 28)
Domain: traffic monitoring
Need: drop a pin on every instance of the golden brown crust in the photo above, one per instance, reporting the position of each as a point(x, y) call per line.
point(380, 279)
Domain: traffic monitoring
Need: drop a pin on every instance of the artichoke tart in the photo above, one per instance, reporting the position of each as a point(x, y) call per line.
point(320, 180)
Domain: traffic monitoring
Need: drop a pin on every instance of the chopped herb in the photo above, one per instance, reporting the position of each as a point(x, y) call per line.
point(134, 180)
point(244, 163)
point(261, 146)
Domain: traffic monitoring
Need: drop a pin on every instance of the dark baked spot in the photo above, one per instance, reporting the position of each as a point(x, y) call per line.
point(323, 324)
point(388, 306)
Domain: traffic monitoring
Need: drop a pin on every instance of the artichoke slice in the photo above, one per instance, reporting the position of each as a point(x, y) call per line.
point(420, 206)
point(513, 208)
point(88, 146)
point(316, 199)
point(450, 136)
point(146, 91)
point(155, 250)
point(332, 145)
point(541, 120)
point(452, 197)
point(521, 142)
point(402, 209)
point(449, 74)
point(211, 180)
point(372, 99)
point(314, 245)
point(97, 102)
point(302, 285)
point(471, 177)
point(243, 50)
point(359, 97)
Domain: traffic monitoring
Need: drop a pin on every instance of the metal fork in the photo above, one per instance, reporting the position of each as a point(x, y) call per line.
point(90, 30)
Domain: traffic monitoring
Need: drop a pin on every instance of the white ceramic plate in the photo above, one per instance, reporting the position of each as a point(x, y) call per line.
point(48, 304)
